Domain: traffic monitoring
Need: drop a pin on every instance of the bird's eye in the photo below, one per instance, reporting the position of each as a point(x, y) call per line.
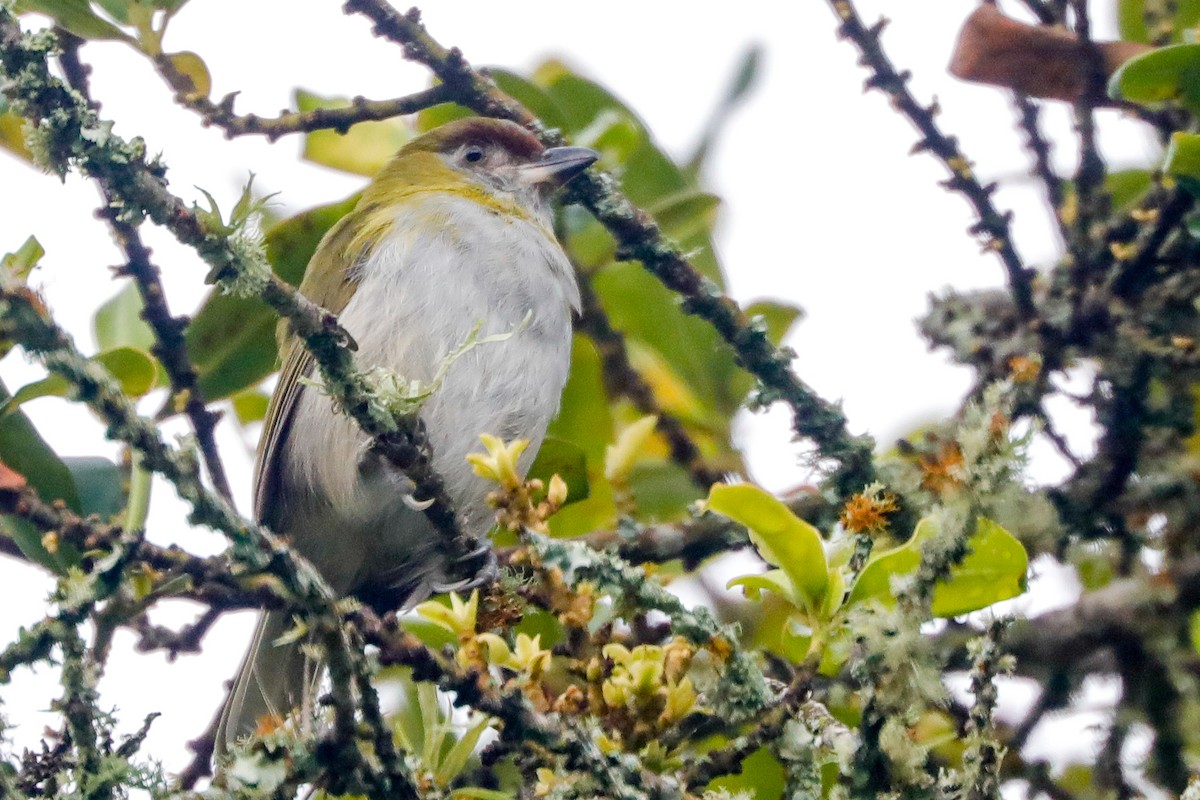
point(473, 155)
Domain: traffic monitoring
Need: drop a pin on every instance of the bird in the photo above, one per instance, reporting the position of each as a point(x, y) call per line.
point(453, 238)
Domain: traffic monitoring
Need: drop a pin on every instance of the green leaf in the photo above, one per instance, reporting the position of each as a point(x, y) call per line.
point(136, 371)
point(686, 213)
point(77, 17)
point(1131, 19)
point(250, 406)
point(12, 133)
point(231, 340)
point(456, 759)
point(24, 451)
point(118, 322)
point(585, 420)
point(761, 777)
point(777, 316)
point(530, 95)
point(291, 243)
point(782, 538)
point(1182, 161)
point(362, 150)
point(1168, 74)
point(662, 490)
point(568, 461)
point(192, 68)
point(117, 9)
point(775, 581)
point(100, 484)
point(479, 793)
point(1127, 186)
point(994, 570)
point(18, 265)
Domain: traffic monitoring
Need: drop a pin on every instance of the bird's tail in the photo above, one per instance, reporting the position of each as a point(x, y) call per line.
point(272, 681)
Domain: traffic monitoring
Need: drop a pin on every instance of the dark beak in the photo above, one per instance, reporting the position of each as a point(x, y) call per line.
point(558, 165)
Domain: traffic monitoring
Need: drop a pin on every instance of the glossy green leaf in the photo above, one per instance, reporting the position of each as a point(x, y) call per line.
point(362, 150)
point(21, 262)
point(782, 538)
point(118, 322)
point(568, 461)
point(994, 570)
point(1163, 75)
point(77, 17)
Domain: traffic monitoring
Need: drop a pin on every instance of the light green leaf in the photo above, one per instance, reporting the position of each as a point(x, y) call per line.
point(1159, 76)
point(775, 581)
point(12, 133)
point(118, 322)
point(1182, 161)
point(362, 150)
point(77, 17)
point(20, 263)
point(192, 68)
point(994, 570)
point(1131, 19)
point(479, 793)
point(136, 371)
point(250, 406)
point(454, 761)
point(782, 538)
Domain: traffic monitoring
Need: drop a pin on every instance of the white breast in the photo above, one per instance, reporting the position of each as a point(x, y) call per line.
point(448, 265)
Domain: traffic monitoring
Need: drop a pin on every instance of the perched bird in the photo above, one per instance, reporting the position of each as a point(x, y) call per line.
point(455, 232)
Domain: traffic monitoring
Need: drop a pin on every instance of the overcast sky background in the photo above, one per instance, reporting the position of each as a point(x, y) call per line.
point(822, 207)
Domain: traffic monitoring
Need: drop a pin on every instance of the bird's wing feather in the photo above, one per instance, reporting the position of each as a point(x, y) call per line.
point(328, 283)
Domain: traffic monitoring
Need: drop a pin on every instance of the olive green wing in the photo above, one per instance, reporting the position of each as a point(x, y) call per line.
point(326, 283)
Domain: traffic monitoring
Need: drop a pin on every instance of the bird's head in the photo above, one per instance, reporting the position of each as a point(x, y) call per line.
point(482, 157)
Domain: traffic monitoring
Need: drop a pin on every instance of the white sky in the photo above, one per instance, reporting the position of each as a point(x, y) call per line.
point(822, 208)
